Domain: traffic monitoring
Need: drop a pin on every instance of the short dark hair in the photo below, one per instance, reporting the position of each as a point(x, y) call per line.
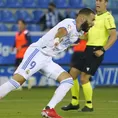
point(52, 4)
point(86, 11)
point(106, 0)
point(23, 21)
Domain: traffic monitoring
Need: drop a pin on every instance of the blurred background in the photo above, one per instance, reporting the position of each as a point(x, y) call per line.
point(40, 16)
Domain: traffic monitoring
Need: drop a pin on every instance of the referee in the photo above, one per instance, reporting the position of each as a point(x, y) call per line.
point(100, 38)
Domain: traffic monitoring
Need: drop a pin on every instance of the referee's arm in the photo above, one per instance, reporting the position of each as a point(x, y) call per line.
point(111, 27)
point(112, 38)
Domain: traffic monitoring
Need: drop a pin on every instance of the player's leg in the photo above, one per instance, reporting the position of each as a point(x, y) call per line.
point(87, 90)
point(12, 84)
point(66, 82)
point(91, 65)
point(17, 63)
point(77, 63)
point(74, 105)
point(32, 62)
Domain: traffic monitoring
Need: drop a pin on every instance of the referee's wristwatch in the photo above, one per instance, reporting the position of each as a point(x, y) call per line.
point(103, 49)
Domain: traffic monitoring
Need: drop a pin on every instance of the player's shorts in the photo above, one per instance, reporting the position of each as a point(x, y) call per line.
point(34, 60)
point(87, 61)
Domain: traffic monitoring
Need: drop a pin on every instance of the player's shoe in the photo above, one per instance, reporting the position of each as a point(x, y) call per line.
point(50, 113)
point(70, 107)
point(87, 109)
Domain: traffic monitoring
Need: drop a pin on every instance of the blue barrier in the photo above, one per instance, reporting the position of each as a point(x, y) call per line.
point(8, 57)
point(106, 75)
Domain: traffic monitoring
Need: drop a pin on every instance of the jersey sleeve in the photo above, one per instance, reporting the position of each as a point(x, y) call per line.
point(67, 25)
point(110, 22)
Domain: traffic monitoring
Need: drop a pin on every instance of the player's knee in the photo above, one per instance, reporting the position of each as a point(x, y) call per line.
point(74, 73)
point(63, 76)
point(83, 81)
point(68, 80)
point(20, 79)
point(84, 78)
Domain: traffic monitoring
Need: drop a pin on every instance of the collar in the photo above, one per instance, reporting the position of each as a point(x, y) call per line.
point(102, 13)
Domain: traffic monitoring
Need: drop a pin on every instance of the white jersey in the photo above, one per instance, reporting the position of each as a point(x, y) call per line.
point(46, 43)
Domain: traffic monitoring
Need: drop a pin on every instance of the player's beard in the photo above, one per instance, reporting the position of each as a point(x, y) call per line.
point(85, 26)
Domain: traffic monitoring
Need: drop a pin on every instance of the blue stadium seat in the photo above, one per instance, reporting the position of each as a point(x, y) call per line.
point(37, 15)
point(110, 3)
point(2, 3)
point(0, 17)
point(13, 3)
point(116, 18)
point(29, 3)
point(3, 28)
point(114, 4)
point(43, 3)
point(7, 16)
point(76, 3)
point(89, 3)
point(70, 14)
point(14, 27)
point(33, 27)
point(23, 14)
point(61, 3)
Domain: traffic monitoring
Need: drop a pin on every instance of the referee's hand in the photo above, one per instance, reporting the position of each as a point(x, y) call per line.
point(98, 53)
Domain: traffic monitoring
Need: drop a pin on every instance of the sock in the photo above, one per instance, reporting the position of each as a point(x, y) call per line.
point(88, 92)
point(60, 92)
point(8, 87)
point(75, 93)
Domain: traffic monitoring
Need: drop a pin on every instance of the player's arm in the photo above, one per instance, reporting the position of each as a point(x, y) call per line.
point(83, 37)
point(112, 38)
point(59, 35)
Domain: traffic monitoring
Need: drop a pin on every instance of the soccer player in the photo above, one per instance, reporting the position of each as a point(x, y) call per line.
point(38, 57)
point(100, 38)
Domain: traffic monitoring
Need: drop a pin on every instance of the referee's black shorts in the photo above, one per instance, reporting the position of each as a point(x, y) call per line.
point(87, 61)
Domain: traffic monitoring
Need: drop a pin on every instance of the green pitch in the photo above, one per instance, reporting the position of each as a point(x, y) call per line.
point(29, 103)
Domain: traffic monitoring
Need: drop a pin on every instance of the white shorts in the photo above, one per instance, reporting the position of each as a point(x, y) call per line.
point(34, 60)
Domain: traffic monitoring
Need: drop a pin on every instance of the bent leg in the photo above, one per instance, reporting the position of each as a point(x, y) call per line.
point(56, 72)
point(33, 61)
point(66, 82)
point(76, 87)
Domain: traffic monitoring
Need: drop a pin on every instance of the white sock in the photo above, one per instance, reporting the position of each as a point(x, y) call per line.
point(8, 87)
point(60, 92)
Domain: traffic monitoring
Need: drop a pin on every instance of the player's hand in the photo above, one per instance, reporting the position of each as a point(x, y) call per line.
point(56, 44)
point(98, 53)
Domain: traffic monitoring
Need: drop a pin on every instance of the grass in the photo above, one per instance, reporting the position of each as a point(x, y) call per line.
point(29, 103)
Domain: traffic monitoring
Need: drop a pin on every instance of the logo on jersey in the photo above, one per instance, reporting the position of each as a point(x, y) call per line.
point(87, 68)
point(69, 27)
point(27, 71)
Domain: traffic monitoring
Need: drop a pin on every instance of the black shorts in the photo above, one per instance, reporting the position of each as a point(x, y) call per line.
point(87, 61)
point(18, 61)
